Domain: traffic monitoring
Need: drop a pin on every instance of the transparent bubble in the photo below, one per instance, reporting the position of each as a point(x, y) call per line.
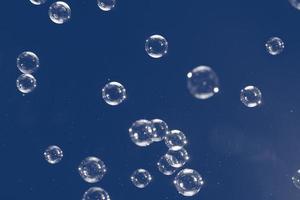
point(53, 154)
point(96, 193)
point(26, 83)
point(203, 82)
point(175, 140)
point(92, 169)
point(160, 130)
point(164, 167)
point(28, 62)
point(38, 2)
point(188, 182)
point(295, 3)
point(177, 158)
point(274, 46)
point(251, 96)
point(60, 12)
point(106, 5)
point(114, 93)
point(156, 46)
point(141, 178)
point(141, 132)
point(296, 179)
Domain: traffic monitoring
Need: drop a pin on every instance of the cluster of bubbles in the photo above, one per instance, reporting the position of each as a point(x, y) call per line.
point(188, 182)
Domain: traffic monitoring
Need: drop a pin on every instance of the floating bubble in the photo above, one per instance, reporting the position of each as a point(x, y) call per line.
point(141, 178)
point(177, 158)
point(92, 169)
point(141, 132)
point(53, 154)
point(164, 167)
point(26, 83)
point(160, 130)
point(295, 3)
point(114, 93)
point(188, 182)
point(38, 2)
point(156, 46)
point(106, 5)
point(28, 62)
point(296, 179)
point(60, 12)
point(96, 193)
point(203, 82)
point(274, 46)
point(251, 96)
point(175, 140)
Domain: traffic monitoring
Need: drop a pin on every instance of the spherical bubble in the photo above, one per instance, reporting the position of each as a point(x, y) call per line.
point(177, 158)
point(160, 130)
point(28, 62)
point(53, 154)
point(60, 12)
point(156, 46)
point(92, 169)
point(141, 132)
point(203, 82)
point(38, 2)
point(96, 193)
point(295, 3)
point(164, 167)
point(296, 179)
point(188, 182)
point(175, 140)
point(251, 96)
point(114, 93)
point(274, 46)
point(106, 5)
point(26, 83)
point(141, 178)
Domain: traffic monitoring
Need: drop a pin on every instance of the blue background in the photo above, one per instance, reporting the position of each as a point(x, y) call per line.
point(242, 153)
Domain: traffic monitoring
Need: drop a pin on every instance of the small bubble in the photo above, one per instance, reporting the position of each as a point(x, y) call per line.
point(164, 167)
point(96, 193)
point(141, 132)
point(160, 130)
point(60, 12)
point(26, 83)
point(251, 96)
point(114, 93)
point(274, 46)
point(28, 62)
point(106, 5)
point(38, 2)
point(296, 179)
point(92, 169)
point(177, 158)
point(203, 82)
point(141, 178)
point(175, 140)
point(188, 182)
point(53, 154)
point(156, 46)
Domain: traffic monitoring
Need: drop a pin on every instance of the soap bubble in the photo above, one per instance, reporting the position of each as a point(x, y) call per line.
point(26, 83)
point(202, 82)
point(38, 2)
point(251, 96)
point(92, 169)
point(175, 140)
point(28, 62)
point(141, 132)
point(106, 5)
point(296, 179)
point(188, 182)
point(295, 3)
point(164, 167)
point(160, 130)
point(114, 93)
point(53, 154)
point(96, 193)
point(141, 178)
point(177, 158)
point(60, 12)
point(274, 46)
point(156, 46)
